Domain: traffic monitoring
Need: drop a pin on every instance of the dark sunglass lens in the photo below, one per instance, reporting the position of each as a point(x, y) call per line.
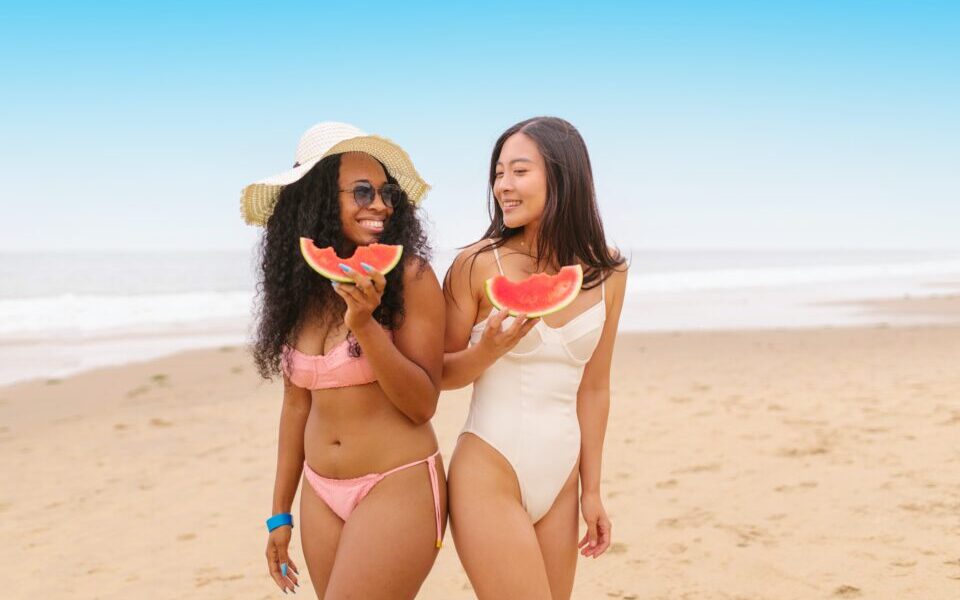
point(363, 195)
point(390, 193)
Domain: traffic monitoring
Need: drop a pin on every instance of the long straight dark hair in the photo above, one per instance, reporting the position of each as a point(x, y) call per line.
point(571, 231)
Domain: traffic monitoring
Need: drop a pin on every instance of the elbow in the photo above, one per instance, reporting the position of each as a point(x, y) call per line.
point(421, 417)
point(448, 383)
point(424, 409)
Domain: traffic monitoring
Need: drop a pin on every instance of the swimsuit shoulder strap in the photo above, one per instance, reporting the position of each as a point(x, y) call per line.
point(496, 255)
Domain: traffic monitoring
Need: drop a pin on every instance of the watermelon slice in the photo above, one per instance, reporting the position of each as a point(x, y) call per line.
point(537, 295)
point(382, 257)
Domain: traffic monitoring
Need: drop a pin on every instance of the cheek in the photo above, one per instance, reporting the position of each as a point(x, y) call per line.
point(346, 214)
point(534, 189)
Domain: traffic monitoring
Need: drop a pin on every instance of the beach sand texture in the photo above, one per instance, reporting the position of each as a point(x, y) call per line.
point(757, 464)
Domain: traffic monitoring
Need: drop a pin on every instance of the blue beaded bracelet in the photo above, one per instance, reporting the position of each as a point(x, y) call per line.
point(279, 520)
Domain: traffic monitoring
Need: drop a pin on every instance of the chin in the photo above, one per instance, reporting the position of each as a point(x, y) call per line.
point(514, 221)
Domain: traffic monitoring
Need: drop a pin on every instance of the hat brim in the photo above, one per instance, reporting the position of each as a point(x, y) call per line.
point(258, 199)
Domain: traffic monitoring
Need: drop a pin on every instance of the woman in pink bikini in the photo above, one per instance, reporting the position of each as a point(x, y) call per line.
point(541, 387)
point(361, 366)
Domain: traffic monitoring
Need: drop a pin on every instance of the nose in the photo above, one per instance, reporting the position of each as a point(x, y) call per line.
point(378, 204)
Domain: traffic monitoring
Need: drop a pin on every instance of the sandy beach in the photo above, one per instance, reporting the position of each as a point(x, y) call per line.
point(817, 463)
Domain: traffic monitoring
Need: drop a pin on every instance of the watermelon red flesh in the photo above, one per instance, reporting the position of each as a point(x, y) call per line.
point(382, 257)
point(537, 295)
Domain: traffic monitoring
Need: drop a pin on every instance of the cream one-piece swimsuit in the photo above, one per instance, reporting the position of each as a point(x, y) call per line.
point(525, 404)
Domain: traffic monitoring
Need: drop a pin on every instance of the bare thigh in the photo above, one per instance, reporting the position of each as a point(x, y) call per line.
point(493, 533)
point(319, 533)
point(388, 544)
point(557, 536)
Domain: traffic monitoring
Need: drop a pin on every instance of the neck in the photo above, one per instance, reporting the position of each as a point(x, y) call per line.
point(528, 237)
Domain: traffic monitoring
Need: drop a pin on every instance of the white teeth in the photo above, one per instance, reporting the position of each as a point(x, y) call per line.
point(511, 203)
point(372, 224)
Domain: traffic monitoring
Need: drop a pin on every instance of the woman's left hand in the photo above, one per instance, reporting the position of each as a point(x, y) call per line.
point(362, 296)
point(597, 538)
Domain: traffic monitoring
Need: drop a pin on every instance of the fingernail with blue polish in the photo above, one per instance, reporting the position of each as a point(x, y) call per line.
point(283, 569)
point(366, 267)
point(345, 268)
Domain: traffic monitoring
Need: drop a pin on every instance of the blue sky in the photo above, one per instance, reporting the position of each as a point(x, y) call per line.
point(710, 124)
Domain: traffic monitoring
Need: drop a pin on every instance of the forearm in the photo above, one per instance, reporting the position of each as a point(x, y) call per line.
point(405, 383)
point(293, 421)
point(463, 367)
point(593, 408)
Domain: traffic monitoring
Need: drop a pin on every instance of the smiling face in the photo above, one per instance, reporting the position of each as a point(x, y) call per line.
point(362, 226)
point(520, 184)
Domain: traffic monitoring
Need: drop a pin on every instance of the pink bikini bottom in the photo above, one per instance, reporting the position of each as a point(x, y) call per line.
point(343, 495)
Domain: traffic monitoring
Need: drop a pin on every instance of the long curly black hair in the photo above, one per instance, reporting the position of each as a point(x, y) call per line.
point(290, 293)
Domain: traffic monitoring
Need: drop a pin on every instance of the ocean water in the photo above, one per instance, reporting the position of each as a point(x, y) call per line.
point(62, 313)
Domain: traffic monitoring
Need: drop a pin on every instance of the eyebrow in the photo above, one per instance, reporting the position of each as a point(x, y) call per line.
point(516, 160)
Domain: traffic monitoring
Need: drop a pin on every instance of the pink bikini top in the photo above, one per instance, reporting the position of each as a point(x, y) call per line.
point(334, 369)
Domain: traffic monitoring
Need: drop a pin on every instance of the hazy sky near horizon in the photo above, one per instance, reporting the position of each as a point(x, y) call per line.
point(710, 124)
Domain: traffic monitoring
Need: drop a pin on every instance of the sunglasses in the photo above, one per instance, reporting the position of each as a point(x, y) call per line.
point(364, 193)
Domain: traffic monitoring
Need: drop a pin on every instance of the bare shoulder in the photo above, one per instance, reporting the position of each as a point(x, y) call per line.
point(473, 260)
point(418, 272)
point(618, 275)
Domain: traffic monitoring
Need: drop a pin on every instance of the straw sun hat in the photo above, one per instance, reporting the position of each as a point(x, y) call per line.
point(322, 140)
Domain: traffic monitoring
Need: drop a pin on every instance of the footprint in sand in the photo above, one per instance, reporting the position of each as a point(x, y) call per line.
point(137, 391)
point(184, 537)
point(847, 591)
point(700, 468)
point(749, 534)
point(692, 518)
point(160, 379)
point(236, 370)
point(158, 422)
point(676, 548)
point(120, 426)
point(208, 579)
point(904, 563)
point(617, 548)
point(803, 485)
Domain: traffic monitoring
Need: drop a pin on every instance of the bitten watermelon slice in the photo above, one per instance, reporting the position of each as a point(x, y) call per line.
point(382, 257)
point(537, 295)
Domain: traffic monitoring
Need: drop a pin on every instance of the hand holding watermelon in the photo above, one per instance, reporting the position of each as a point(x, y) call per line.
point(362, 295)
point(359, 279)
point(496, 341)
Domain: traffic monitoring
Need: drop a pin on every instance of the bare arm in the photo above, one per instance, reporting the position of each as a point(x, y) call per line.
point(408, 369)
point(593, 407)
point(462, 363)
point(293, 421)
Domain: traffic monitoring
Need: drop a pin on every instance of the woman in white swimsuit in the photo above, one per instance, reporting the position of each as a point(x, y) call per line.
point(541, 389)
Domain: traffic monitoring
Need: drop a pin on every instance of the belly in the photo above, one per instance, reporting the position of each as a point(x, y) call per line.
point(356, 430)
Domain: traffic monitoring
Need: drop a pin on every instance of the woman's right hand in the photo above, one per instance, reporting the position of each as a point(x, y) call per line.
point(495, 341)
point(277, 544)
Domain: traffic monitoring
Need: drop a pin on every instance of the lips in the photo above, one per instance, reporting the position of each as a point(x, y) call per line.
point(508, 205)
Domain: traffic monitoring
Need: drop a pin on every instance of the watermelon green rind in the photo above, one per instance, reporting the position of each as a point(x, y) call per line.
point(382, 257)
point(541, 311)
